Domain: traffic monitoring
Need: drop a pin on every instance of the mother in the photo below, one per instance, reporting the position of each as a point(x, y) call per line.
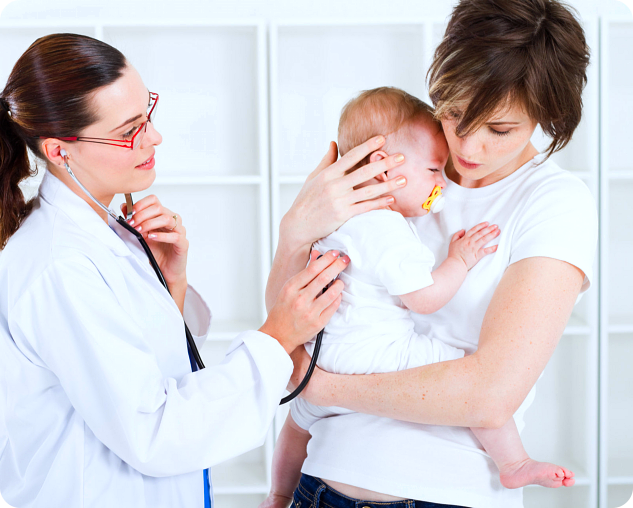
point(503, 67)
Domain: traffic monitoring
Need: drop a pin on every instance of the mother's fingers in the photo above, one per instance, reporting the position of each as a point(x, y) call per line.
point(372, 191)
point(328, 159)
point(369, 171)
point(357, 154)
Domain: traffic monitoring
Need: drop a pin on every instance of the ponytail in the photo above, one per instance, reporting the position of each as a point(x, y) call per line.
point(14, 167)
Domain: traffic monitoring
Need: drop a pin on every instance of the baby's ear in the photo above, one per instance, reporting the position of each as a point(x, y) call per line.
point(379, 155)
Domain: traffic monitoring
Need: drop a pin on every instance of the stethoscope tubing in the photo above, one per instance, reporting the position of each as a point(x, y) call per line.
point(190, 342)
point(191, 345)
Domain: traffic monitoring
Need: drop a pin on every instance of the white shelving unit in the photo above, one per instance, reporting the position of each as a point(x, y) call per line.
point(616, 303)
point(247, 109)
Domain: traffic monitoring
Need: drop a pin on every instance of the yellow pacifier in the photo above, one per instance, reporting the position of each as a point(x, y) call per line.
point(436, 201)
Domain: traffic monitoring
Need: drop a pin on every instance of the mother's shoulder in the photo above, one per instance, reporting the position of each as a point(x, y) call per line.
point(548, 179)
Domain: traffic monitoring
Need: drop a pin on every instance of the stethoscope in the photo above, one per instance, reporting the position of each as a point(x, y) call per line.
point(194, 354)
point(435, 203)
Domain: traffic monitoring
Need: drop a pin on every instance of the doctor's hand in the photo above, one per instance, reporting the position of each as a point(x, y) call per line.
point(166, 237)
point(328, 197)
point(301, 311)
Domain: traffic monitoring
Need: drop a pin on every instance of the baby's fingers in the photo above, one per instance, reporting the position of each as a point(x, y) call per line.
point(474, 230)
point(487, 250)
point(486, 235)
point(458, 235)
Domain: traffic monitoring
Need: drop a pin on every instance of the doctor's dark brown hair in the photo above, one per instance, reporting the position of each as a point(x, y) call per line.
point(47, 94)
point(498, 53)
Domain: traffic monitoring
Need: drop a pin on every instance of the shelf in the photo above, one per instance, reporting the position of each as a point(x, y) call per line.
point(209, 112)
point(620, 471)
point(619, 496)
point(621, 324)
point(235, 477)
point(558, 425)
point(619, 408)
point(224, 262)
point(621, 174)
point(619, 75)
point(306, 100)
point(209, 180)
point(293, 179)
point(577, 326)
point(563, 497)
point(617, 252)
point(15, 40)
point(243, 501)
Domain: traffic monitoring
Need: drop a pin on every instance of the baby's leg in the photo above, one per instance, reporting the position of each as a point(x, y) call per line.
point(517, 469)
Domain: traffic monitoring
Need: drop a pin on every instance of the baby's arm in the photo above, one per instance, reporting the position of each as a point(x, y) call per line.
point(290, 452)
point(464, 251)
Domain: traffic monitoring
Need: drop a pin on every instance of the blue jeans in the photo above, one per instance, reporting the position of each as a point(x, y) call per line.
point(313, 493)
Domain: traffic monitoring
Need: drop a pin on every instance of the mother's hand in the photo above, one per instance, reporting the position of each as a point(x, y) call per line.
point(166, 237)
point(328, 198)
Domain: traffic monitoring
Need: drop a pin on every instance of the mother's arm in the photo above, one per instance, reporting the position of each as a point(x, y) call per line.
point(522, 326)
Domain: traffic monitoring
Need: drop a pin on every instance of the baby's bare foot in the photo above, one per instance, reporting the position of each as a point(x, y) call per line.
point(532, 472)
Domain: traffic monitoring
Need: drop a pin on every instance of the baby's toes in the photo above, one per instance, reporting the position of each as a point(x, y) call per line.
point(569, 482)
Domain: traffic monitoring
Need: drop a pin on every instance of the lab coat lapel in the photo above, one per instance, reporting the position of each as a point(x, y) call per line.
point(56, 193)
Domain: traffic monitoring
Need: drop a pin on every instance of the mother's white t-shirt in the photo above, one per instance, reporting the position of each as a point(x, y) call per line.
point(541, 210)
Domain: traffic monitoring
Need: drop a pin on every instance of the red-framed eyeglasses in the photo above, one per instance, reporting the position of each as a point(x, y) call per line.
point(136, 135)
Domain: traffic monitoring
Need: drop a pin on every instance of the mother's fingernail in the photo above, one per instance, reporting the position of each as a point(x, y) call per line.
point(345, 259)
point(380, 140)
point(399, 158)
point(390, 200)
point(334, 253)
point(401, 181)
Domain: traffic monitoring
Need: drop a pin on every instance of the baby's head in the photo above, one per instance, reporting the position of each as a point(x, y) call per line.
point(410, 129)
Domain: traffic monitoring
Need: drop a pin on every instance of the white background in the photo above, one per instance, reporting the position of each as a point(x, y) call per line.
point(250, 96)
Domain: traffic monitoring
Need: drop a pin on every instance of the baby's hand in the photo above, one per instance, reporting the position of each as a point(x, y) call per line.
point(469, 246)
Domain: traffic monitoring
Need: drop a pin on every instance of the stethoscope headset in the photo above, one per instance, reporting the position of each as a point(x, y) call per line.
point(194, 355)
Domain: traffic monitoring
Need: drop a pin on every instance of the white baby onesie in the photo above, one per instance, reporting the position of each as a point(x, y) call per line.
point(372, 331)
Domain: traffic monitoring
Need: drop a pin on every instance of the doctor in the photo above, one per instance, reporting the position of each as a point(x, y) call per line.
point(99, 406)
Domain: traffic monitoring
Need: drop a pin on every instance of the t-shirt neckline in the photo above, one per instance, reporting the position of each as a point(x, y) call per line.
point(456, 191)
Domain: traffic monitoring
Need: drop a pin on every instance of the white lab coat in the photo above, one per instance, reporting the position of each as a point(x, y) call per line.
point(98, 404)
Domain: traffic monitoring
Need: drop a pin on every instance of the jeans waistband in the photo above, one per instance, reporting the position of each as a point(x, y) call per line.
point(314, 493)
point(319, 494)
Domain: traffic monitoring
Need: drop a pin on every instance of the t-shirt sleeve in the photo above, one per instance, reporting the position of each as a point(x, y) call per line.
point(385, 244)
point(560, 221)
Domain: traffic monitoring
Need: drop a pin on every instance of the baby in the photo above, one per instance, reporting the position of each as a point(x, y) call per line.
point(390, 275)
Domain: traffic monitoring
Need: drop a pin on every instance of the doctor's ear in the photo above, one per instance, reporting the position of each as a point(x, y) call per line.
point(54, 151)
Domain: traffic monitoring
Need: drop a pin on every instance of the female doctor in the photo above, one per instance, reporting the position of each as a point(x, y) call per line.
point(99, 406)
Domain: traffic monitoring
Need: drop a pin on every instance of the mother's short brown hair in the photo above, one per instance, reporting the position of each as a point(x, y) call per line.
point(497, 53)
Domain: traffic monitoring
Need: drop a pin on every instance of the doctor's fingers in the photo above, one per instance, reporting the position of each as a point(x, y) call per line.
point(166, 222)
point(314, 269)
point(329, 274)
point(324, 302)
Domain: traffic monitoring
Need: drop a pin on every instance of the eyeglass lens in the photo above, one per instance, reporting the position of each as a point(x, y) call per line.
point(151, 116)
